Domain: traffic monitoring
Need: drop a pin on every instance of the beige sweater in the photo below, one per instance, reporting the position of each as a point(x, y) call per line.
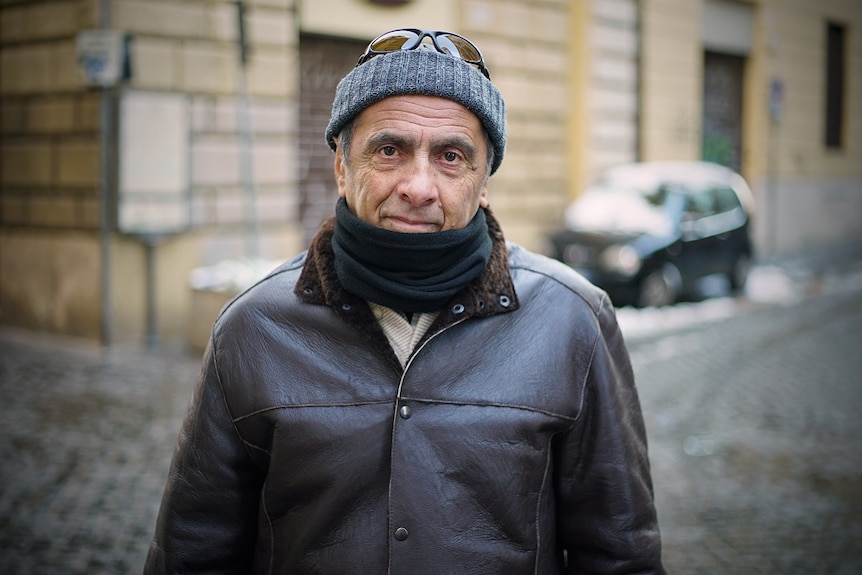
point(402, 335)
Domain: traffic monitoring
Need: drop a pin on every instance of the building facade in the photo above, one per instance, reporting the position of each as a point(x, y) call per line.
point(209, 146)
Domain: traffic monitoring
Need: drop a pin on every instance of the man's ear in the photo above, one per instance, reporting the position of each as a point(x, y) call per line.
point(339, 169)
point(483, 196)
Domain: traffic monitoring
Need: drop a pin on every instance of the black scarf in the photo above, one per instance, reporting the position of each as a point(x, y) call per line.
point(407, 272)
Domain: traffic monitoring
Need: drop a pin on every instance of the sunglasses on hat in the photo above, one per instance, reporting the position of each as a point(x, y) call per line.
point(411, 38)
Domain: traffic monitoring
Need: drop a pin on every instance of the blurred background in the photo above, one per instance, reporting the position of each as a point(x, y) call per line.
point(142, 140)
point(156, 156)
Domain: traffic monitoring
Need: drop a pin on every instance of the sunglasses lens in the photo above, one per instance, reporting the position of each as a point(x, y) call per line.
point(459, 47)
point(392, 41)
point(410, 39)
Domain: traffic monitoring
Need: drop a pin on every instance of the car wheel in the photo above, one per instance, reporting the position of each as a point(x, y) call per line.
point(660, 287)
point(739, 274)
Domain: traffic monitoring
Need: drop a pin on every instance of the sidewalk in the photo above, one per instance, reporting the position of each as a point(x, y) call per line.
point(86, 440)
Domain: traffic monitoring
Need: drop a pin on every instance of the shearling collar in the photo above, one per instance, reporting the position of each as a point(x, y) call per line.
point(491, 293)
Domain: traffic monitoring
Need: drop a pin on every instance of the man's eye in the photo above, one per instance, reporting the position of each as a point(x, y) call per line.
point(388, 150)
point(450, 156)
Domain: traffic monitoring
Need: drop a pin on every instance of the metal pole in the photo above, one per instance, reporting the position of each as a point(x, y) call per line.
point(105, 212)
point(150, 242)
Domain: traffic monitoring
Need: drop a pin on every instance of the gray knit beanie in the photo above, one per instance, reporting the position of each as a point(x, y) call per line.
point(425, 72)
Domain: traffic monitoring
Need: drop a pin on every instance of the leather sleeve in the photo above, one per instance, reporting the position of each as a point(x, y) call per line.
point(606, 516)
point(208, 516)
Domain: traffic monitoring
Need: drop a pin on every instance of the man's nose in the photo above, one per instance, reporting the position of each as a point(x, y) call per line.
point(419, 185)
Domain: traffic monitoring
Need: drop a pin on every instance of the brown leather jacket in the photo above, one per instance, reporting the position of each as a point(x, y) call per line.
point(512, 443)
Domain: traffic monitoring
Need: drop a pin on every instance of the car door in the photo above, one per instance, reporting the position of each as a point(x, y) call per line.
point(729, 227)
point(698, 244)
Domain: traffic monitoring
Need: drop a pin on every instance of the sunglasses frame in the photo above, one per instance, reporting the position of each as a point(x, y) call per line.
point(416, 42)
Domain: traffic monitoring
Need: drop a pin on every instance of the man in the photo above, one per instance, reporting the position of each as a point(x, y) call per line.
point(413, 395)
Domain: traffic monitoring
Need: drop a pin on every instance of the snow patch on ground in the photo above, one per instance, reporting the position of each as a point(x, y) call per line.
point(231, 275)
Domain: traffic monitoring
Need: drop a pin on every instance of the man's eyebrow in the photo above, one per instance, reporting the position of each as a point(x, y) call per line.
point(386, 138)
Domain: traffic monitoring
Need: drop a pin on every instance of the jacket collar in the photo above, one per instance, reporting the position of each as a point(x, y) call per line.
point(493, 292)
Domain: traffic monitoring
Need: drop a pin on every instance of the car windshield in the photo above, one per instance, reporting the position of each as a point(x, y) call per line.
point(610, 208)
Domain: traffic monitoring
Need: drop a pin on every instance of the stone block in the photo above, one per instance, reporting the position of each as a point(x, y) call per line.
point(285, 4)
point(26, 69)
point(13, 23)
point(268, 117)
point(215, 161)
point(13, 209)
point(272, 162)
point(274, 206)
point(78, 163)
point(88, 111)
point(154, 63)
point(270, 27)
point(271, 73)
point(26, 163)
point(89, 213)
point(54, 115)
point(174, 19)
point(221, 22)
point(52, 211)
point(65, 74)
point(549, 96)
point(208, 68)
point(203, 113)
point(230, 206)
point(12, 116)
point(51, 20)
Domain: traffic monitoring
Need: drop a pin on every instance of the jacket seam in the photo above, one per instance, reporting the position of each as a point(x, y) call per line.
point(588, 371)
point(594, 307)
point(307, 405)
point(269, 525)
point(224, 398)
point(538, 504)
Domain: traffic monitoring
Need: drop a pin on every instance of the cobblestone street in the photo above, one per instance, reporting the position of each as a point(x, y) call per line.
point(754, 426)
point(755, 434)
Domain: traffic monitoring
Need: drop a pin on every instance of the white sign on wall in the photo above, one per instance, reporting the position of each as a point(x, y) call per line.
point(153, 195)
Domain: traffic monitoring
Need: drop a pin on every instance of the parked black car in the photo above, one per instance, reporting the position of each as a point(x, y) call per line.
point(647, 232)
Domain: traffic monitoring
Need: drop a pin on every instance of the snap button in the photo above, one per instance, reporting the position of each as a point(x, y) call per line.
point(481, 304)
point(401, 534)
point(505, 301)
point(308, 291)
point(405, 412)
point(458, 308)
point(345, 306)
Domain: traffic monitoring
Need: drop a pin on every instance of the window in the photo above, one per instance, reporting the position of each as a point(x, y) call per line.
point(835, 55)
point(701, 203)
point(726, 200)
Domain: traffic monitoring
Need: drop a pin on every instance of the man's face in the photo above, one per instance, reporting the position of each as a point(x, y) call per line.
point(416, 164)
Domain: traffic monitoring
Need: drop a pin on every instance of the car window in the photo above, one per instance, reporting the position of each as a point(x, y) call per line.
point(700, 203)
point(726, 200)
